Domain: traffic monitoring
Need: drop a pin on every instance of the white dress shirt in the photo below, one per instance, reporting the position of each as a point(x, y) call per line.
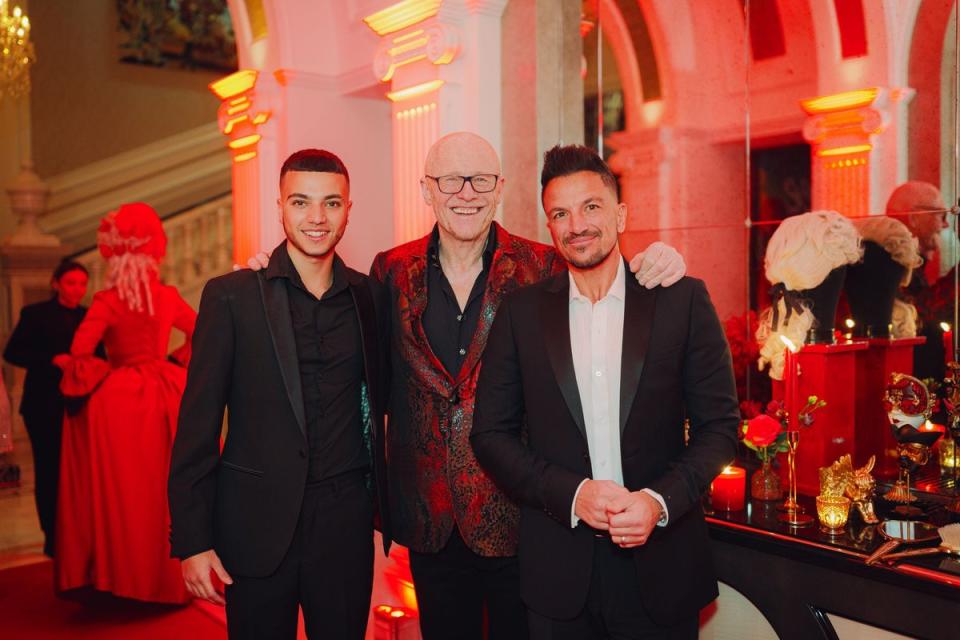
point(596, 341)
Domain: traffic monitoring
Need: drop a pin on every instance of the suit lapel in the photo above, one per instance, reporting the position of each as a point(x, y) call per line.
point(555, 320)
point(502, 267)
point(639, 305)
point(416, 305)
point(276, 304)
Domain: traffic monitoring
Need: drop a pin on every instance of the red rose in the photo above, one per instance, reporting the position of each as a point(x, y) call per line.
point(762, 431)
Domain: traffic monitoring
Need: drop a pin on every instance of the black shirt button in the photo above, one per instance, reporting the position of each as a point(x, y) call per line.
point(303, 454)
point(463, 352)
point(459, 317)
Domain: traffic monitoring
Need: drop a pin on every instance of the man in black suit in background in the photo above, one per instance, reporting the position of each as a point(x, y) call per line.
point(284, 516)
point(613, 543)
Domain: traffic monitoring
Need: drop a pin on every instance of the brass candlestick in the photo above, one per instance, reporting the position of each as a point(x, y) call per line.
point(792, 511)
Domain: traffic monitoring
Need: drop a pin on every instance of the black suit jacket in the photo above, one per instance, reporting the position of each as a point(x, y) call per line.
point(45, 330)
point(244, 501)
point(676, 364)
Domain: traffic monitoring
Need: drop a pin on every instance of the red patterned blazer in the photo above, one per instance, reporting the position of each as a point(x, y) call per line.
point(434, 479)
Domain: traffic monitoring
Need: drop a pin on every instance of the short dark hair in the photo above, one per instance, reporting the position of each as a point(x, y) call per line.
point(319, 160)
point(565, 160)
point(66, 266)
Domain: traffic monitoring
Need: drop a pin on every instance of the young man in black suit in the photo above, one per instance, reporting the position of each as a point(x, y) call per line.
point(612, 539)
point(284, 514)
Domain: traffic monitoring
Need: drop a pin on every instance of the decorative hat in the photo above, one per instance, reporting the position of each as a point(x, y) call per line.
point(133, 241)
point(134, 228)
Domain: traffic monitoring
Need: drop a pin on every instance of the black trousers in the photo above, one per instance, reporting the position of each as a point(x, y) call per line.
point(46, 436)
point(455, 586)
point(613, 610)
point(328, 572)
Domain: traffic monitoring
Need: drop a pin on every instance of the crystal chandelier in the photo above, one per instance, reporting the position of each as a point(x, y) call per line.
point(17, 53)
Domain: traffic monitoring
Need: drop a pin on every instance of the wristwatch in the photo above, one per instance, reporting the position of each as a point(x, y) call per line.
point(662, 520)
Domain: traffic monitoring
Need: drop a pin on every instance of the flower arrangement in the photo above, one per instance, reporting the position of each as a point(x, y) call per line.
point(766, 433)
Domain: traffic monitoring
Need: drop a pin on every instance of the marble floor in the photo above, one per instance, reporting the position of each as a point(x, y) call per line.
point(21, 540)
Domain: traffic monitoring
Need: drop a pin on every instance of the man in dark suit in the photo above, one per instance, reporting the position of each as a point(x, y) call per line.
point(600, 374)
point(284, 515)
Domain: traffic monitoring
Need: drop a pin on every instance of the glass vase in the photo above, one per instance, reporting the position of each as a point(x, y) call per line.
point(765, 484)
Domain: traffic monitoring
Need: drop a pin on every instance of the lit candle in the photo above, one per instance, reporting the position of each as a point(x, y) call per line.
point(850, 324)
point(929, 426)
point(833, 512)
point(791, 382)
point(729, 489)
point(947, 342)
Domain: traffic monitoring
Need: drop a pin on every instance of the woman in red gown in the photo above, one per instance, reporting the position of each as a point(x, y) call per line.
point(116, 450)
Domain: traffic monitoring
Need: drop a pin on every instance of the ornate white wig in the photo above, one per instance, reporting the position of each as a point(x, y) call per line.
point(800, 255)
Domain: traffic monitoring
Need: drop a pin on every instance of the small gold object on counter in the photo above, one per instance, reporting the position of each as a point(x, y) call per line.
point(841, 479)
point(833, 512)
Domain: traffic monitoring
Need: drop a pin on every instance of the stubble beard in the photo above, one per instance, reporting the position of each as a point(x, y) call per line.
point(587, 261)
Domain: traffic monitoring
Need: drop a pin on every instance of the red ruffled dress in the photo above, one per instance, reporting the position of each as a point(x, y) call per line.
point(113, 520)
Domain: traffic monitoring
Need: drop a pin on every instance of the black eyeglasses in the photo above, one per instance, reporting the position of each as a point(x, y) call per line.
point(481, 183)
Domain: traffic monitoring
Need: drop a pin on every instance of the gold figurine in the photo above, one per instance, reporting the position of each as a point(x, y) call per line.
point(841, 479)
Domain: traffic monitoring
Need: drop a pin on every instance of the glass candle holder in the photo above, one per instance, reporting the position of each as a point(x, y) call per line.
point(833, 512)
point(948, 455)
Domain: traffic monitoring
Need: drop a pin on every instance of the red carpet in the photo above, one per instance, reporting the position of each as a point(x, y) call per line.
point(30, 610)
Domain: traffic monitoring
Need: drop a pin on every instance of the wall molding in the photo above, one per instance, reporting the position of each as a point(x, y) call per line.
point(170, 175)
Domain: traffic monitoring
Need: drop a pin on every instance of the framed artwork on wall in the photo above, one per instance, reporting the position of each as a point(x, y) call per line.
point(177, 34)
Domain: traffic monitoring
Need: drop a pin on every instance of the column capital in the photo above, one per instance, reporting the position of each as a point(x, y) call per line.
point(439, 43)
point(458, 11)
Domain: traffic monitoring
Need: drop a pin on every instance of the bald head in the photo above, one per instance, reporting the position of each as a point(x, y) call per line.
point(920, 206)
point(461, 153)
point(914, 196)
point(463, 217)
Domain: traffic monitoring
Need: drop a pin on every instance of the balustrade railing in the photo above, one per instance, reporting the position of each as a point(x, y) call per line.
point(199, 247)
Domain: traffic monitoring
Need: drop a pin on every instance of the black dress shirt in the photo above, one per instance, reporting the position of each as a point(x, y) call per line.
point(330, 354)
point(449, 328)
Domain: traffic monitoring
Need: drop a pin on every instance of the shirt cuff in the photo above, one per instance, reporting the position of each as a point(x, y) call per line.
point(664, 514)
point(574, 520)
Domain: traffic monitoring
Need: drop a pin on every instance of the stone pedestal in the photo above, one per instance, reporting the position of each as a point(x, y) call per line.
point(28, 200)
point(24, 278)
